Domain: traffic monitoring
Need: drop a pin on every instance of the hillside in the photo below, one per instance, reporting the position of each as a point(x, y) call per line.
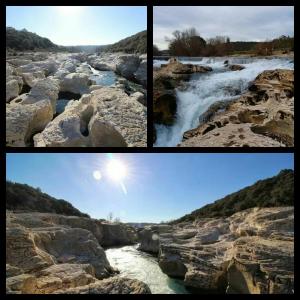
point(270, 192)
point(133, 44)
point(26, 198)
point(24, 40)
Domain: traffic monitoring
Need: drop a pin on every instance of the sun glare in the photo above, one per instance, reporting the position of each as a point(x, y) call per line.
point(69, 10)
point(97, 175)
point(116, 170)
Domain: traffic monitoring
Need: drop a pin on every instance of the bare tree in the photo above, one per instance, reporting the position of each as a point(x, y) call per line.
point(186, 43)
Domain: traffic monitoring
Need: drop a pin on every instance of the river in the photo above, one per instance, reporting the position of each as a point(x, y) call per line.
point(205, 89)
point(136, 264)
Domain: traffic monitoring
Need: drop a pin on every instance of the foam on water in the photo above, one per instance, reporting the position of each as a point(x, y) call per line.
point(205, 89)
point(135, 264)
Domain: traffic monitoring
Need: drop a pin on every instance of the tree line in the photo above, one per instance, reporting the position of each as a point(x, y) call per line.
point(189, 43)
point(25, 40)
point(271, 192)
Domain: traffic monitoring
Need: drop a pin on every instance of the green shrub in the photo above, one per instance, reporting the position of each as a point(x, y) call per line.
point(24, 197)
point(270, 192)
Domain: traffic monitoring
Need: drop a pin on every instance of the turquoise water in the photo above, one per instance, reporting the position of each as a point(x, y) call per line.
point(142, 266)
point(105, 78)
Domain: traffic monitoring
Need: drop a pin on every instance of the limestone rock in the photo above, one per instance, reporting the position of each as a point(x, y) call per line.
point(77, 83)
point(49, 253)
point(31, 79)
point(141, 73)
point(106, 117)
point(127, 65)
point(43, 89)
point(23, 121)
point(236, 67)
point(115, 285)
point(251, 251)
point(23, 284)
point(165, 80)
point(263, 117)
point(12, 89)
point(17, 62)
point(13, 271)
point(64, 276)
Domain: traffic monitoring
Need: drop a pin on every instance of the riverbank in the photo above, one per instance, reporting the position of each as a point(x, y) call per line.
point(88, 86)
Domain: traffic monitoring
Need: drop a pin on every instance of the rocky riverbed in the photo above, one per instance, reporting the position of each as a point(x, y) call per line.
point(103, 100)
point(217, 103)
point(251, 251)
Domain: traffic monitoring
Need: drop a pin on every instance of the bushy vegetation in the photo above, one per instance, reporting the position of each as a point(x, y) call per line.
point(26, 198)
point(187, 43)
point(133, 44)
point(190, 43)
point(24, 40)
point(271, 192)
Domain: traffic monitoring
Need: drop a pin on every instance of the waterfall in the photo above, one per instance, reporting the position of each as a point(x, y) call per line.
point(205, 89)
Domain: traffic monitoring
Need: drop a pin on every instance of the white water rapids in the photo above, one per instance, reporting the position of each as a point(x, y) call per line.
point(135, 264)
point(205, 89)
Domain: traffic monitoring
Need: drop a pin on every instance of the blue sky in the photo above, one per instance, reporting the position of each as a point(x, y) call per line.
point(79, 25)
point(246, 23)
point(159, 187)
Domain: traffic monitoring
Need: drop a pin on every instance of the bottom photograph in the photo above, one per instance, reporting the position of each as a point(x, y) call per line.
point(142, 223)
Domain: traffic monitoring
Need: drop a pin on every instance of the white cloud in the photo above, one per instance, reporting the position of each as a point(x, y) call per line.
point(238, 22)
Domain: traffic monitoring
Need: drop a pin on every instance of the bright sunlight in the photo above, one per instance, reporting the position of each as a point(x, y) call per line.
point(69, 10)
point(116, 170)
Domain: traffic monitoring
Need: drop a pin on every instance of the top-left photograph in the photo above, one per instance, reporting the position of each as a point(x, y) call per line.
point(76, 76)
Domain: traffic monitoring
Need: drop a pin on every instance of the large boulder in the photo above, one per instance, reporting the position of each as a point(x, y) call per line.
point(30, 79)
point(149, 237)
point(127, 65)
point(14, 83)
point(48, 67)
point(12, 89)
point(77, 83)
point(165, 80)
point(43, 89)
point(21, 284)
point(141, 73)
point(23, 121)
point(117, 234)
point(107, 117)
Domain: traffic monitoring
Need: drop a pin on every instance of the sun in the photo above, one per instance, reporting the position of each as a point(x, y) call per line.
point(97, 175)
point(69, 10)
point(116, 170)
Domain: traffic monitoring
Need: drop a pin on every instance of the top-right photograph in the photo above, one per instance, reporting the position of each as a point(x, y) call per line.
point(223, 76)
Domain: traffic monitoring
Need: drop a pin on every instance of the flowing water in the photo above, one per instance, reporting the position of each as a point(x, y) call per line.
point(105, 78)
point(205, 89)
point(144, 267)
